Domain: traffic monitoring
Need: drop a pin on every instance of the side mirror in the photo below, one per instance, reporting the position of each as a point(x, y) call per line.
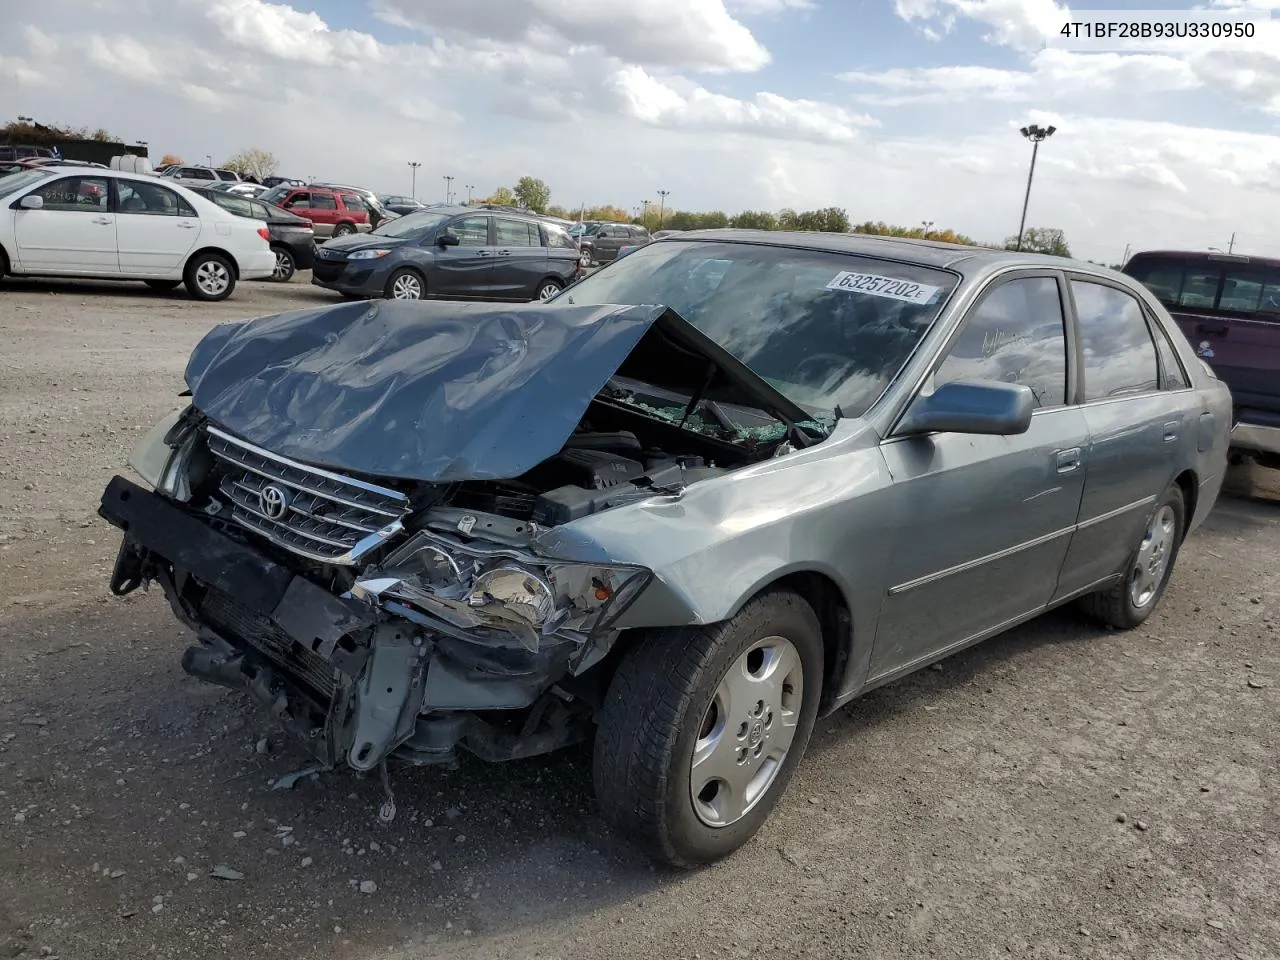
point(971, 406)
point(32, 201)
point(448, 240)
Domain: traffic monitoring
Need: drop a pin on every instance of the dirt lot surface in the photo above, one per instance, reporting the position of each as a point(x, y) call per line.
point(1060, 791)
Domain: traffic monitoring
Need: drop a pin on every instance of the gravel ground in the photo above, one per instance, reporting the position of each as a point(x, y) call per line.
point(1060, 791)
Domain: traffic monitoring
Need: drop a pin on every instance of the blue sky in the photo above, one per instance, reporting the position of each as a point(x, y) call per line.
point(897, 110)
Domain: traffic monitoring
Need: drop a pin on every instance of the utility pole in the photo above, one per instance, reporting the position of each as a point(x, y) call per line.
point(662, 205)
point(1232, 245)
point(448, 189)
point(1035, 134)
point(1125, 258)
point(413, 181)
point(644, 217)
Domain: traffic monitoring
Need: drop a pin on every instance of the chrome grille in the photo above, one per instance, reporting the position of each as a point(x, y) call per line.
point(317, 514)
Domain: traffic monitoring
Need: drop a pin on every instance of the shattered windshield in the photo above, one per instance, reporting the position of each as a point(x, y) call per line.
point(827, 330)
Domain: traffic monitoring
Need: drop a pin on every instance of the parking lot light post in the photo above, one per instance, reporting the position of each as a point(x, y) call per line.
point(448, 189)
point(928, 225)
point(1035, 134)
point(413, 178)
point(470, 187)
point(662, 205)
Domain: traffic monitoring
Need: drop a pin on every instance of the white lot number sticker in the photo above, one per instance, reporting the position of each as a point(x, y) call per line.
point(882, 287)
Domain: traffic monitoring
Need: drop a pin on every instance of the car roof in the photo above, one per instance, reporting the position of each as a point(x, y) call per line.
point(931, 253)
point(1204, 256)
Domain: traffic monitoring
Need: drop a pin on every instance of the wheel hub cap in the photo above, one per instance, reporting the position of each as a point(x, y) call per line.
point(406, 288)
point(746, 732)
point(212, 278)
point(1152, 561)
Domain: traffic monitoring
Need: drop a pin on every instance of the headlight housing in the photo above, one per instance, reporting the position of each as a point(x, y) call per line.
point(368, 254)
point(161, 456)
point(506, 587)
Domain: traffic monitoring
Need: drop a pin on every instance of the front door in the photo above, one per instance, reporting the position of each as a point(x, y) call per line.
point(1136, 429)
point(520, 262)
point(74, 233)
point(155, 228)
point(983, 523)
point(465, 270)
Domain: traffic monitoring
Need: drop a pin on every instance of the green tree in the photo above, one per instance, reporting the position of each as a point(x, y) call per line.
point(754, 220)
point(533, 194)
point(502, 197)
point(254, 162)
point(1048, 240)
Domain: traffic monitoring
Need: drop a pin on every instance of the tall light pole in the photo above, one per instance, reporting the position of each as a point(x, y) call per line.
point(413, 178)
point(644, 217)
point(1035, 134)
point(928, 225)
point(448, 189)
point(470, 187)
point(662, 205)
point(209, 157)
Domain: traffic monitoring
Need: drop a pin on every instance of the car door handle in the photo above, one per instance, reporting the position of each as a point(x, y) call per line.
point(483, 253)
point(104, 221)
point(188, 226)
point(504, 253)
point(1171, 431)
point(1068, 460)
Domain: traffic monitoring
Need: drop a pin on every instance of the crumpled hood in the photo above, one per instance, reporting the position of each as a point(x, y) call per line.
point(428, 391)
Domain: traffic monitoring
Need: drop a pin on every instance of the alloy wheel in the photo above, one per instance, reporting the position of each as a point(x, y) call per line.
point(1153, 557)
point(212, 278)
point(406, 287)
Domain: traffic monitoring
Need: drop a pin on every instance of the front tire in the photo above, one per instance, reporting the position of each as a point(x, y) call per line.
point(702, 728)
point(1129, 602)
point(406, 284)
point(210, 277)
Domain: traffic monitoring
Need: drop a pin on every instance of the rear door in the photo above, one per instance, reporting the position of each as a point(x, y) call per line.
point(520, 262)
point(74, 233)
point(465, 271)
point(1137, 428)
point(155, 228)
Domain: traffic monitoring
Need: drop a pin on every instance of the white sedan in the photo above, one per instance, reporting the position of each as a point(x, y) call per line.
point(63, 221)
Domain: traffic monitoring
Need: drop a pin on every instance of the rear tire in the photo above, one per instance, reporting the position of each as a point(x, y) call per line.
point(683, 707)
point(285, 266)
point(210, 277)
point(1129, 602)
point(164, 286)
point(548, 289)
point(343, 230)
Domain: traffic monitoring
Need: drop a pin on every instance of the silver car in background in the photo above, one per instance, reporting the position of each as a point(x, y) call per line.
point(718, 489)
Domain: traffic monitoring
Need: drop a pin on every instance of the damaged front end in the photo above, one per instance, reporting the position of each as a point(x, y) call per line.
point(348, 514)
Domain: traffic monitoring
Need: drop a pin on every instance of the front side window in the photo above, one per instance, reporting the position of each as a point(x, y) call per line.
point(323, 201)
point(471, 231)
point(1119, 357)
point(134, 196)
point(299, 201)
point(74, 194)
point(1014, 335)
point(515, 233)
point(415, 226)
point(827, 330)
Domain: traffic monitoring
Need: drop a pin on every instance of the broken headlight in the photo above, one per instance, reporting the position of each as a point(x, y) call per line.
point(160, 458)
point(474, 583)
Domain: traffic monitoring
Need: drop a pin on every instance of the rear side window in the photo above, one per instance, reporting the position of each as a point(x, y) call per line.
point(1015, 335)
point(323, 201)
point(353, 203)
point(241, 208)
point(1172, 374)
point(1119, 357)
point(515, 233)
point(558, 238)
point(471, 231)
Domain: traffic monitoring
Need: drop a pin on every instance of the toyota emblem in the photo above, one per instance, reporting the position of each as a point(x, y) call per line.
point(274, 501)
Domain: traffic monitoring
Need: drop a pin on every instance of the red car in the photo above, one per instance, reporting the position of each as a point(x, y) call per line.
point(333, 213)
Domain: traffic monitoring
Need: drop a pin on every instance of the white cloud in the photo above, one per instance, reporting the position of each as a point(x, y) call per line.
point(1021, 24)
point(768, 7)
point(685, 34)
point(1053, 74)
point(652, 101)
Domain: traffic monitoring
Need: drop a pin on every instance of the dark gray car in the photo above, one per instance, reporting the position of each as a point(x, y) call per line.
point(601, 242)
point(451, 253)
point(794, 469)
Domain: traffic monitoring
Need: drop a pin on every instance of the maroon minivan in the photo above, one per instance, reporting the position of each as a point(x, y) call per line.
point(1229, 308)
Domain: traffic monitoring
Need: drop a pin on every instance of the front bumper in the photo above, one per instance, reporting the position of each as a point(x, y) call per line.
point(366, 278)
point(349, 679)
